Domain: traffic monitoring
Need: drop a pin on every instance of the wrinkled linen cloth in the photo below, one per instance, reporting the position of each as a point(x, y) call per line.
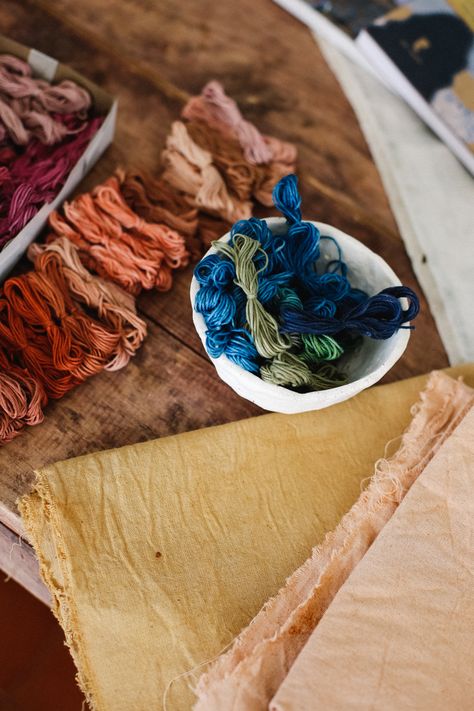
point(399, 633)
point(246, 677)
point(158, 554)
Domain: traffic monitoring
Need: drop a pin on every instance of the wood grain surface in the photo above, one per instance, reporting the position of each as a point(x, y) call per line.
point(18, 561)
point(151, 54)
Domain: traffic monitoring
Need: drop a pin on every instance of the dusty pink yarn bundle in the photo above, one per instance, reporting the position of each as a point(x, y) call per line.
point(219, 111)
point(44, 129)
point(31, 107)
point(219, 161)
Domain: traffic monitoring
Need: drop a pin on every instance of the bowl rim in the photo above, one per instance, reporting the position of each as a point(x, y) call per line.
point(248, 384)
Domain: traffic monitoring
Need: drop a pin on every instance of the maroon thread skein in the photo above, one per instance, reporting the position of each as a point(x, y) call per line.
point(36, 177)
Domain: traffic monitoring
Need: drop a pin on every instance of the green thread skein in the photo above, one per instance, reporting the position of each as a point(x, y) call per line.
point(315, 348)
point(289, 297)
point(268, 340)
point(288, 369)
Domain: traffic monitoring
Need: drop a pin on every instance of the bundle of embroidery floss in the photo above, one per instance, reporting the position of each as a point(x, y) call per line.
point(111, 305)
point(155, 201)
point(44, 129)
point(219, 162)
point(59, 325)
point(274, 308)
point(118, 244)
point(22, 399)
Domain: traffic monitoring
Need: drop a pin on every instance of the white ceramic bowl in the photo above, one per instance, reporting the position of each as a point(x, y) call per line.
point(364, 366)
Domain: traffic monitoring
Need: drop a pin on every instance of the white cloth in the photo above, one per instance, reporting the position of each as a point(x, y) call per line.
point(431, 195)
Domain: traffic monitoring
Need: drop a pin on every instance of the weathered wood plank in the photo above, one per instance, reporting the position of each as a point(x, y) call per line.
point(18, 561)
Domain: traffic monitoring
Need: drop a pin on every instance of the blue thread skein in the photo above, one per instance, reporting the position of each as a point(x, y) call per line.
point(304, 296)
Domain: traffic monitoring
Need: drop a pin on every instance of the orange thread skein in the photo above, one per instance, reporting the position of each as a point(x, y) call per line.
point(116, 243)
point(33, 351)
point(110, 261)
point(79, 345)
point(107, 196)
point(113, 305)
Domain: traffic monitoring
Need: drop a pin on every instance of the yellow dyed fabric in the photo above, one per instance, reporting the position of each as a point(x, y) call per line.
point(158, 554)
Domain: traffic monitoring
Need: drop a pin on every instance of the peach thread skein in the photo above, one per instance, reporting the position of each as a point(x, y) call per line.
point(22, 399)
point(189, 168)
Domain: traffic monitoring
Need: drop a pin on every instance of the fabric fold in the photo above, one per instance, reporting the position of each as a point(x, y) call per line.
point(158, 554)
point(246, 677)
point(398, 634)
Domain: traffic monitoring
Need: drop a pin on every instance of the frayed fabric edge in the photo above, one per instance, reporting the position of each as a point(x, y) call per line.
point(386, 488)
point(37, 510)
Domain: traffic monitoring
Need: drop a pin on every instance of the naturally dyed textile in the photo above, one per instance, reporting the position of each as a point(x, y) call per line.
point(246, 678)
point(399, 633)
point(158, 554)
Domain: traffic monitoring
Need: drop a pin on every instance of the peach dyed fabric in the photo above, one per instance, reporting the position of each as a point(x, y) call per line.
point(247, 677)
point(399, 633)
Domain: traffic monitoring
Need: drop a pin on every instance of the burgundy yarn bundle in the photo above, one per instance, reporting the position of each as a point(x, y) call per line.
point(44, 129)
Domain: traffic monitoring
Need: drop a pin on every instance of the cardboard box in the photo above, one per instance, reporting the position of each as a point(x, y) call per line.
point(103, 104)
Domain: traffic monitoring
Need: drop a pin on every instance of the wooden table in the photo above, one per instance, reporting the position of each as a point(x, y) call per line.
point(151, 54)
